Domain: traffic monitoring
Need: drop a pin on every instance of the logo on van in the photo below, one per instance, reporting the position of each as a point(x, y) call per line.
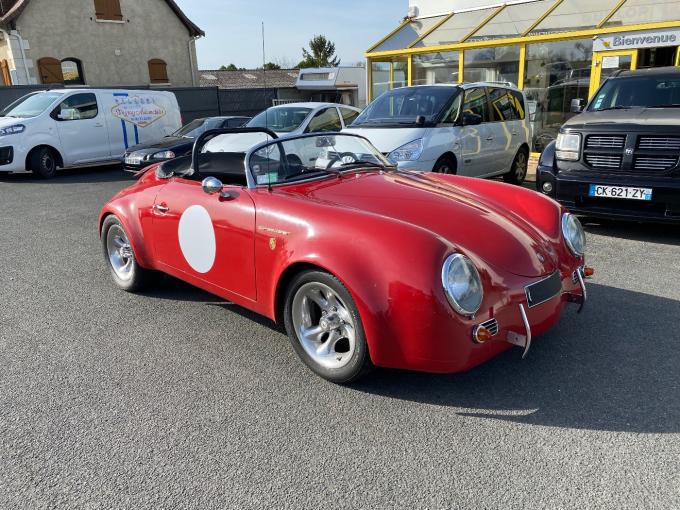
point(140, 111)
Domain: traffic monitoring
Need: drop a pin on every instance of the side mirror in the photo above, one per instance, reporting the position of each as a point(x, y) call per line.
point(471, 119)
point(69, 114)
point(420, 120)
point(577, 105)
point(212, 185)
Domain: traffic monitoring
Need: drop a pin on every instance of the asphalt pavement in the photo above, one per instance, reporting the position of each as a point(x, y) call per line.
point(176, 399)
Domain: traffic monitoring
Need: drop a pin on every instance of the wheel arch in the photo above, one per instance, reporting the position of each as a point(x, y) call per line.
point(135, 236)
point(57, 153)
point(450, 155)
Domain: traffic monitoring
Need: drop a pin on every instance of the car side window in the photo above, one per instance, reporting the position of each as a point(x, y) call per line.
point(503, 105)
point(348, 115)
point(518, 104)
point(78, 107)
point(325, 120)
point(476, 103)
point(452, 114)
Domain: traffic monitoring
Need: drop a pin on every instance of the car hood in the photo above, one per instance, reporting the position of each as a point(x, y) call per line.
point(476, 224)
point(167, 143)
point(624, 120)
point(388, 139)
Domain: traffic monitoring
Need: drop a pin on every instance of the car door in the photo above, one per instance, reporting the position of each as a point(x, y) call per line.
point(206, 238)
point(82, 129)
point(476, 140)
point(506, 128)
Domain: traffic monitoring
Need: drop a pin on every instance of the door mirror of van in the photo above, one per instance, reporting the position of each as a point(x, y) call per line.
point(471, 119)
point(577, 105)
point(68, 114)
point(420, 120)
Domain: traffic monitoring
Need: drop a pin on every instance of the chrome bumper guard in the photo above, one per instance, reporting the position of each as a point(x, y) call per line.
point(522, 340)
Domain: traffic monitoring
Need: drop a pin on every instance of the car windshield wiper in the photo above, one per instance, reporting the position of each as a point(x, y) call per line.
point(617, 107)
point(671, 105)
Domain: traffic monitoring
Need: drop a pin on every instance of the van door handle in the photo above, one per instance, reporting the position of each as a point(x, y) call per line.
point(161, 208)
point(489, 138)
point(99, 124)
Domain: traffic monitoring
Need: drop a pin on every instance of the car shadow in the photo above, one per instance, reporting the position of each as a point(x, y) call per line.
point(657, 233)
point(96, 174)
point(593, 371)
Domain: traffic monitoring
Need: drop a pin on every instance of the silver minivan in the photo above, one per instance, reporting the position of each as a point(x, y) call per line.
point(474, 129)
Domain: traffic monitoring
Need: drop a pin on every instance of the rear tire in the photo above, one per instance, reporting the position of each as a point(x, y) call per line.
point(325, 328)
point(445, 165)
point(126, 272)
point(43, 162)
point(518, 170)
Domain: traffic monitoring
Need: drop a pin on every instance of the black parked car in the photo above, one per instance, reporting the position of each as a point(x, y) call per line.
point(177, 144)
point(620, 157)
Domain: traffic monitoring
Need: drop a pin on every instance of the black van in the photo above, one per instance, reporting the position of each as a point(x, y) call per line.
point(620, 157)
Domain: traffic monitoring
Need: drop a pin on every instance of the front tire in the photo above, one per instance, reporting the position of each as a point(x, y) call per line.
point(43, 162)
point(325, 328)
point(518, 170)
point(126, 272)
point(445, 165)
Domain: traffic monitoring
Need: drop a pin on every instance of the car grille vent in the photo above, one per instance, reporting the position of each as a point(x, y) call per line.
point(605, 142)
point(659, 143)
point(491, 325)
point(604, 161)
point(655, 163)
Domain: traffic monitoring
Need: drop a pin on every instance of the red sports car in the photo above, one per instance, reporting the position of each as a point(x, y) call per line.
point(365, 265)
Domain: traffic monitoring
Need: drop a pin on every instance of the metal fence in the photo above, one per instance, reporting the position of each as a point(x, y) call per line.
point(194, 102)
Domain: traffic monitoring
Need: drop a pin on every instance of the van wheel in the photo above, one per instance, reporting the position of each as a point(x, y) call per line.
point(43, 162)
point(519, 168)
point(445, 165)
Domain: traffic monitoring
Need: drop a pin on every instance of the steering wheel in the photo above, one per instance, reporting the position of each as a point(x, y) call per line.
point(345, 158)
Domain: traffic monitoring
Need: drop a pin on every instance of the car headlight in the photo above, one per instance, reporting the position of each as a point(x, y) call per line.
point(409, 152)
point(573, 234)
point(163, 155)
point(568, 147)
point(462, 284)
point(12, 130)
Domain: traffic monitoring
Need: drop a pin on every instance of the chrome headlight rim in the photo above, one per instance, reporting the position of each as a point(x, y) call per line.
point(569, 241)
point(474, 273)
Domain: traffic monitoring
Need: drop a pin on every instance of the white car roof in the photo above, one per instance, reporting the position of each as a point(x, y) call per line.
point(313, 105)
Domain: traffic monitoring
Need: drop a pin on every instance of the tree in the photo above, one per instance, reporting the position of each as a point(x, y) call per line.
point(271, 66)
point(321, 54)
point(230, 67)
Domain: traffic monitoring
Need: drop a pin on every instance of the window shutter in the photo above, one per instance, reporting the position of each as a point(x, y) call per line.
point(100, 8)
point(114, 10)
point(108, 10)
point(158, 71)
point(50, 71)
point(6, 76)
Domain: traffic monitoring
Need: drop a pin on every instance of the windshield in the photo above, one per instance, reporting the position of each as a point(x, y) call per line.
point(282, 119)
point(293, 159)
point(196, 127)
point(403, 106)
point(635, 91)
point(32, 105)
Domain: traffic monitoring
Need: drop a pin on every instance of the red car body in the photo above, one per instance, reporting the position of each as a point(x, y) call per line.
point(385, 235)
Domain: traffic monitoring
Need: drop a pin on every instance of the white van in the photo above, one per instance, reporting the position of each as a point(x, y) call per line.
point(475, 129)
point(52, 129)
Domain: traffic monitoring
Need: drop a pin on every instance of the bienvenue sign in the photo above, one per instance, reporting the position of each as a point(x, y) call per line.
point(637, 40)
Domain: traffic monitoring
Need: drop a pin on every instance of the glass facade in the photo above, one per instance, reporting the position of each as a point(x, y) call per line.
point(387, 75)
point(456, 28)
point(512, 21)
point(645, 11)
point(500, 63)
point(572, 15)
point(408, 33)
point(440, 67)
point(554, 74)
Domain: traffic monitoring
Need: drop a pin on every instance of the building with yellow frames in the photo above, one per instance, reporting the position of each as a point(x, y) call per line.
point(555, 50)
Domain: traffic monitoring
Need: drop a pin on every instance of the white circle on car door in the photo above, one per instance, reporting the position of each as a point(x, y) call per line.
point(197, 238)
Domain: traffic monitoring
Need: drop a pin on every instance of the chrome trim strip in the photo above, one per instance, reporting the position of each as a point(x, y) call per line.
point(527, 346)
point(579, 273)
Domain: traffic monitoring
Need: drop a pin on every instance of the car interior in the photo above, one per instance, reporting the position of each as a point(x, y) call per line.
point(228, 167)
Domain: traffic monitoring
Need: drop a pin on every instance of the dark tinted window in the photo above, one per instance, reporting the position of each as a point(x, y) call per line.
point(647, 91)
point(506, 104)
point(325, 120)
point(85, 106)
point(235, 122)
point(476, 103)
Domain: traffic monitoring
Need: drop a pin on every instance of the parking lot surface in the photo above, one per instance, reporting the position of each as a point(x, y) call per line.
point(176, 399)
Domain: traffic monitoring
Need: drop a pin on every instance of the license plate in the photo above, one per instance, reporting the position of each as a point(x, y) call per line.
point(133, 161)
point(623, 192)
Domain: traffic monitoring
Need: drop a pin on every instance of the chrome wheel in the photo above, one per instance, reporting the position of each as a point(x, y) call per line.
point(120, 252)
point(521, 166)
point(323, 325)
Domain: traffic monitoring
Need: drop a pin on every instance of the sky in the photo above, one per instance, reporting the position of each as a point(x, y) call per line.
point(233, 28)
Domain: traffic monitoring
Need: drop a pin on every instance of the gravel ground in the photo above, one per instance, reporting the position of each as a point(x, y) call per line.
point(175, 399)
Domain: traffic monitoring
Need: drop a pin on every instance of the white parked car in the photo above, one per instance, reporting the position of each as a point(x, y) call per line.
point(288, 120)
point(43, 131)
point(475, 129)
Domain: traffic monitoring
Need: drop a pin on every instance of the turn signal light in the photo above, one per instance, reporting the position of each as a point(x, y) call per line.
point(588, 272)
point(481, 335)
